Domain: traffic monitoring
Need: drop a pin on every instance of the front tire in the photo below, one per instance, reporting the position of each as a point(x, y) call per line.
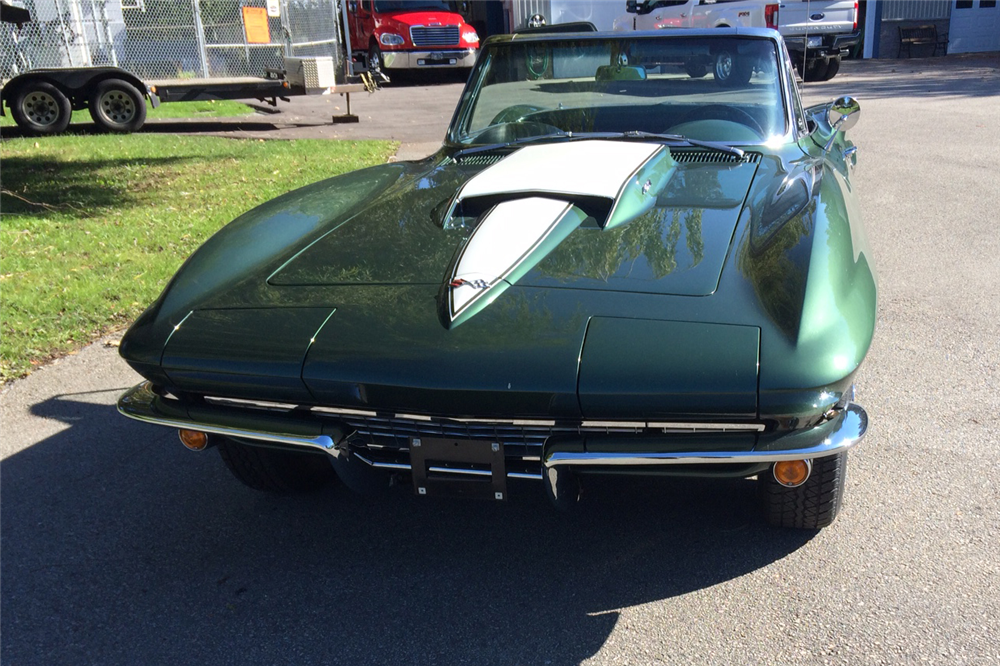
point(117, 106)
point(275, 470)
point(40, 108)
point(812, 505)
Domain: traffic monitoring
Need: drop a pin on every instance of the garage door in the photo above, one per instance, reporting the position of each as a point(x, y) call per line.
point(975, 26)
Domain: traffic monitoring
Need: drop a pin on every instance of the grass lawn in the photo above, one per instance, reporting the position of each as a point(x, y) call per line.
point(92, 227)
point(204, 109)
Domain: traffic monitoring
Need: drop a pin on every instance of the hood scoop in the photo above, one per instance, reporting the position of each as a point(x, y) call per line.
point(613, 182)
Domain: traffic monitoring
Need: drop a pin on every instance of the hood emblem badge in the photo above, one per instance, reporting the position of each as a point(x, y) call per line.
point(475, 284)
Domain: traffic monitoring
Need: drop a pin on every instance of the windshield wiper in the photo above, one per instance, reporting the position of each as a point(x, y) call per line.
point(713, 145)
point(515, 142)
point(630, 134)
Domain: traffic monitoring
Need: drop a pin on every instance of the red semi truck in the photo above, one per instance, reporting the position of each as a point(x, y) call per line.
point(410, 34)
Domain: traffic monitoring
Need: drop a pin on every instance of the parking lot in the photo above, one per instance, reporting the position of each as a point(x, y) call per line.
point(120, 547)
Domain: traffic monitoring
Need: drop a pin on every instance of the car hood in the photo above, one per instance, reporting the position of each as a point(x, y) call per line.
point(593, 215)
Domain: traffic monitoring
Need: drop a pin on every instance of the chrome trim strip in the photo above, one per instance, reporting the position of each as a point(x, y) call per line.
point(460, 470)
point(543, 423)
point(707, 427)
point(839, 434)
point(345, 412)
point(240, 402)
point(137, 403)
point(612, 424)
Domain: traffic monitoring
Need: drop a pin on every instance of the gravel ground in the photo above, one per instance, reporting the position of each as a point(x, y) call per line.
point(119, 547)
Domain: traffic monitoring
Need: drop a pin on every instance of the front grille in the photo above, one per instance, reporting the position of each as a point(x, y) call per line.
point(382, 439)
point(530, 433)
point(444, 35)
point(682, 156)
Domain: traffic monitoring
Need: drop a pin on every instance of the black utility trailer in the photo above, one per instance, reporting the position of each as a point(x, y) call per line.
point(110, 59)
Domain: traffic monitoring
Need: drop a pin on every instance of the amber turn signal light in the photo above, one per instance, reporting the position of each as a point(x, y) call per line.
point(193, 439)
point(792, 473)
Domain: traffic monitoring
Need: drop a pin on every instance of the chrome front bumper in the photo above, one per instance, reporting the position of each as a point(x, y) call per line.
point(317, 430)
point(441, 58)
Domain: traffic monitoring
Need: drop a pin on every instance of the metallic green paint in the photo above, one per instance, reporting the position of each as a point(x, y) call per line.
point(244, 352)
point(681, 369)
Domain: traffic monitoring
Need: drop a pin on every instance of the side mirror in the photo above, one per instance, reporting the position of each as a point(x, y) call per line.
point(352, 6)
point(631, 6)
point(842, 115)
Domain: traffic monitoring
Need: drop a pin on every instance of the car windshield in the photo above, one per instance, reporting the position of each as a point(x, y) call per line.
point(723, 89)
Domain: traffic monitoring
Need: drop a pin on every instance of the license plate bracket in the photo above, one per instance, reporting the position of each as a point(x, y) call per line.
point(452, 467)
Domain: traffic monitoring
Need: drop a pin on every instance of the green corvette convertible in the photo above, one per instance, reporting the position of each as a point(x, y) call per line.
point(633, 254)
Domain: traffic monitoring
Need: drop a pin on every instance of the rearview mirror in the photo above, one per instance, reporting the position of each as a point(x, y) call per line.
point(631, 6)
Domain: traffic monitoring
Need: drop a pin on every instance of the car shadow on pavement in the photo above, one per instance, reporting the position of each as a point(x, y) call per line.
point(120, 547)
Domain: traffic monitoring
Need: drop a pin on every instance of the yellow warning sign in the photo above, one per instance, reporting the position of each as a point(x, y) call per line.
point(255, 25)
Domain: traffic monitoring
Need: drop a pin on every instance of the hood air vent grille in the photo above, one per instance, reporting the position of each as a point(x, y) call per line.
point(478, 159)
point(711, 157)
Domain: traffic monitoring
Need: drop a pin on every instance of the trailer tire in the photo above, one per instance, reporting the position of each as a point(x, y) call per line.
point(41, 108)
point(117, 106)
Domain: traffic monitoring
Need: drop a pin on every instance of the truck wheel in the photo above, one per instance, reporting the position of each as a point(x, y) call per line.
point(117, 106)
point(41, 108)
point(730, 71)
point(832, 69)
point(374, 61)
point(275, 470)
point(810, 506)
point(816, 70)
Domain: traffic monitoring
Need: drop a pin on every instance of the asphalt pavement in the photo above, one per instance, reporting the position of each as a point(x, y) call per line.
point(120, 547)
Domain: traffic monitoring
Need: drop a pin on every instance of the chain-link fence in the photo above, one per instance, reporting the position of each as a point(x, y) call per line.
point(168, 39)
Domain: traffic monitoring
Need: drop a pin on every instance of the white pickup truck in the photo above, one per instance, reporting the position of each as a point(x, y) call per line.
point(817, 32)
point(655, 14)
point(727, 70)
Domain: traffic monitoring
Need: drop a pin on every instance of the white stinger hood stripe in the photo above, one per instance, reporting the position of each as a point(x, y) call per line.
point(531, 200)
point(504, 238)
point(589, 168)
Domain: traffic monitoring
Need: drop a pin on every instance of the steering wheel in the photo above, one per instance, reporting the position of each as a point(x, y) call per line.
point(725, 112)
